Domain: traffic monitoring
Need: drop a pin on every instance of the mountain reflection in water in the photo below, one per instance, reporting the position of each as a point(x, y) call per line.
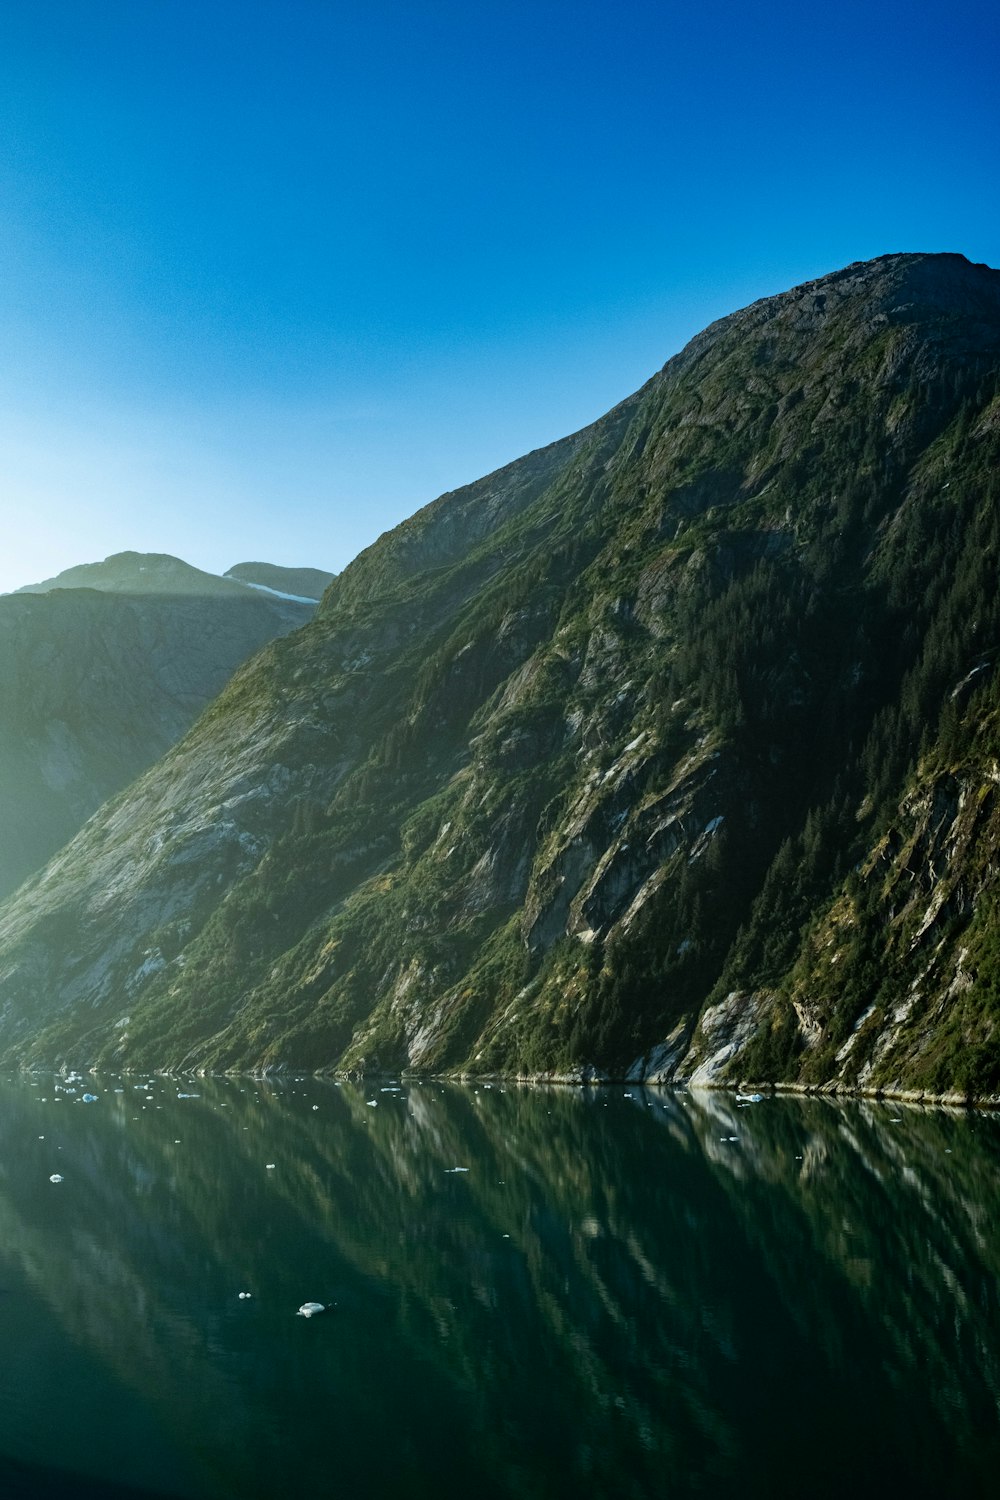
point(634, 1291)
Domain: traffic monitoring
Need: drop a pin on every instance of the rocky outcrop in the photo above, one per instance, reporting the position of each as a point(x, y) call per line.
point(894, 990)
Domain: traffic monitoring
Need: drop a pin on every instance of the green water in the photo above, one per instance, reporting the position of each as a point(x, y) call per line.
point(615, 1297)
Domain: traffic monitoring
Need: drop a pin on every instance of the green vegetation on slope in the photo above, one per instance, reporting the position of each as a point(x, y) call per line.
point(586, 749)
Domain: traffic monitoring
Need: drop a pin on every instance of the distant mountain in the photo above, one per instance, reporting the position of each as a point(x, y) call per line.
point(295, 583)
point(101, 670)
point(138, 573)
point(669, 750)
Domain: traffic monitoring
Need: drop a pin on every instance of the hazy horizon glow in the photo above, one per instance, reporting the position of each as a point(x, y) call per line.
point(274, 277)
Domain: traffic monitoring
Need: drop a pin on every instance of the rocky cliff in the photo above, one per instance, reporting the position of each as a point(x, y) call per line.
point(590, 764)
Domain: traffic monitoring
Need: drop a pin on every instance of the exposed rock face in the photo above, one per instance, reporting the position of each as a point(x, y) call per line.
point(571, 768)
point(98, 681)
point(896, 986)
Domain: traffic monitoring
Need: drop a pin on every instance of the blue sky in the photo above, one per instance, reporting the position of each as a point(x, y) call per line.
point(272, 275)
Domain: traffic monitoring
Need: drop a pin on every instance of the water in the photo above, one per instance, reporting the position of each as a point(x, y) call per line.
point(615, 1296)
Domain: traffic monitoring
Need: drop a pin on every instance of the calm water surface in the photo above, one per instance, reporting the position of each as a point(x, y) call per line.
point(627, 1291)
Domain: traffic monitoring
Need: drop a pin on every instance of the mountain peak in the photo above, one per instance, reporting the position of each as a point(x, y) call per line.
point(135, 573)
point(291, 583)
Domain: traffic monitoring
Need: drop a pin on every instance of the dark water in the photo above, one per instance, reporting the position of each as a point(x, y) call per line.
point(615, 1297)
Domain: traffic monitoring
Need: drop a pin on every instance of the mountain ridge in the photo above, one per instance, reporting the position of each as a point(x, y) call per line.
point(147, 573)
point(296, 583)
point(137, 573)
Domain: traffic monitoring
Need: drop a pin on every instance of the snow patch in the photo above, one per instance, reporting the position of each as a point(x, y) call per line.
point(262, 588)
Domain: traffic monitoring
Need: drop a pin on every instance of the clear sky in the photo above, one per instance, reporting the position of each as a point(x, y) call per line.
point(274, 273)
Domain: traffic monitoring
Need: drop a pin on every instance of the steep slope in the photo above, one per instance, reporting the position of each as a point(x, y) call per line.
point(98, 681)
point(578, 751)
point(894, 984)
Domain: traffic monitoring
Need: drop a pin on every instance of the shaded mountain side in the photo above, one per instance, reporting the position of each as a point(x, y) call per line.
point(96, 685)
point(893, 983)
point(526, 794)
point(300, 583)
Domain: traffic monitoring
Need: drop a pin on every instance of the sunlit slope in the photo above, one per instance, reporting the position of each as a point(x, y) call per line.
point(577, 750)
point(146, 573)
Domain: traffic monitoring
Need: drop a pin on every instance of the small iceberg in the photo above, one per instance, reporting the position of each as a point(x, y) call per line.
point(90, 1098)
point(56, 1177)
point(310, 1309)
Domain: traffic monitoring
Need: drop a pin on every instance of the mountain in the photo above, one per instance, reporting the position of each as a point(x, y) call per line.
point(295, 583)
point(665, 751)
point(139, 573)
point(101, 671)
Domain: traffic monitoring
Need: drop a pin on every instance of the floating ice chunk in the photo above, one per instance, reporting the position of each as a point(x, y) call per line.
point(315, 1106)
point(90, 1098)
point(245, 1296)
point(372, 1103)
point(456, 1169)
point(310, 1309)
point(56, 1177)
point(189, 1096)
point(269, 1167)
